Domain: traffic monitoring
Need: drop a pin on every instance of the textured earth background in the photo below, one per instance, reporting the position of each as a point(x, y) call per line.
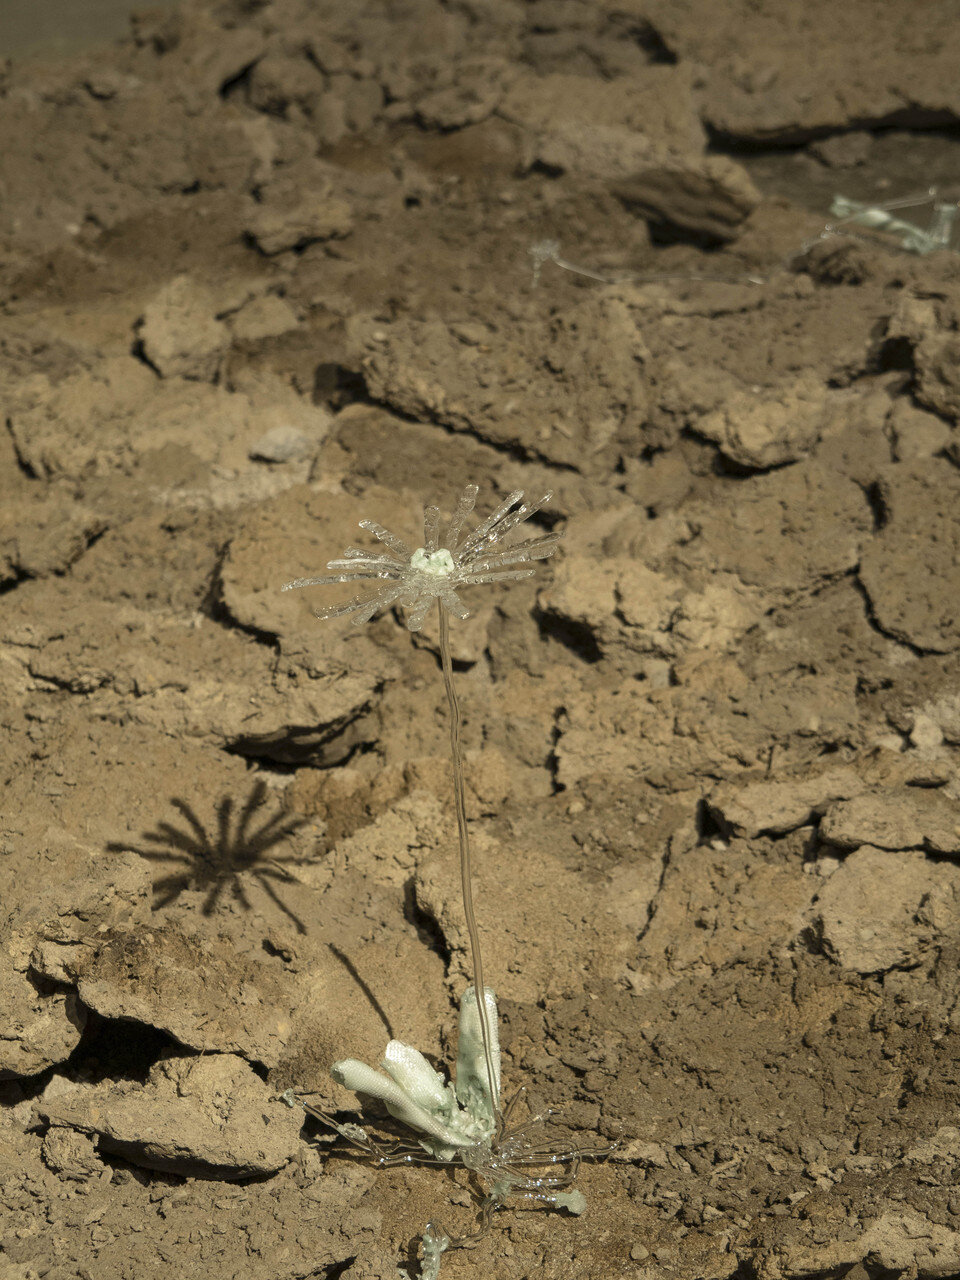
point(266, 271)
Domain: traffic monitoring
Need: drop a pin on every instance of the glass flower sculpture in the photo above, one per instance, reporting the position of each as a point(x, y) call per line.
point(463, 1121)
point(433, 572)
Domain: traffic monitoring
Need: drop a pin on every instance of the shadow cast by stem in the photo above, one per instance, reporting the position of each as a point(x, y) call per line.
point(364, 987)
point(215, 861)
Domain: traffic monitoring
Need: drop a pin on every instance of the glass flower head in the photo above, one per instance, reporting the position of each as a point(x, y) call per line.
point(445, 562)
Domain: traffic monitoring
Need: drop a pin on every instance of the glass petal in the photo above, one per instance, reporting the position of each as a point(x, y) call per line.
point(391, 539)
point(465, 505)
point(431, 528)
point(480, 534)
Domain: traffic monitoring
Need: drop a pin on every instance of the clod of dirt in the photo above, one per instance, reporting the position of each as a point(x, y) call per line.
point(635, 612)
point(777, 805)
point(535, 940)
point(45, 929)
point(71, 1154)
point(572, 391)
point(895, 818)
point(709, 197)
point(793, 77)
point(317, 216)
point(42, 1023)
point(180, 333)
point(882, 909)
point(738, 896)
point(160, 977)
point(653, 114)
point(209, 1117)
point(281, 444)
point(916, 434)
point(119, 416)
point(783, 531)
point(40, 537)
point(911, 570)
point(766, 432)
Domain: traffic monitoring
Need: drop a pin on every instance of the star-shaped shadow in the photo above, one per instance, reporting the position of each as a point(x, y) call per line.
point(217, 861)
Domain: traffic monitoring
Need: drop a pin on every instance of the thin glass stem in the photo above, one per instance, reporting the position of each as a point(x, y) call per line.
point(466, 878)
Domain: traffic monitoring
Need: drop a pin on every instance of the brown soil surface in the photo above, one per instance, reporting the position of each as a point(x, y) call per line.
point(265, 271)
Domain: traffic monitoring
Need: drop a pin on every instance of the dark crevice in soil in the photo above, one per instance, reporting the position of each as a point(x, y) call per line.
point(239, 80)
point(665, 234)
point(654, 45)
point(213, 606)
point(875, 623)
point(427, 927)
point(709, 824)
point(297, 745)
point(515, 452)
point(68, 684)
point(138, 351)
point(552, 761)
point(908, 119)
point(727, 468)
point(90, 540)
point(11, 584)
point(893, 354)
point(278, 768)
point(877, 505)
point(24, 466)
point(126, 1171)
point(577, 637)
point(654, 902)
point(113, 1049)
point(250, 1180)
point(337, 385)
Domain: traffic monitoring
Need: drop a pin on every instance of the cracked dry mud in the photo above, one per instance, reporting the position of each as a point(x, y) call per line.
point(264, 273)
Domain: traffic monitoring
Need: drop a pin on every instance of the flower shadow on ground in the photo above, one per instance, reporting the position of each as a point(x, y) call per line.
point(216, 861)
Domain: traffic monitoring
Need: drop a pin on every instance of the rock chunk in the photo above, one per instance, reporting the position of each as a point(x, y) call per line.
point(573, 389)
point(42, 1024)
point(43, 926)
point(653, 115)
point(213, 684)
point(783, 531)
point(633, 609)
point(71, 1154)
point(119, 415)
point(281, 444)
point(537, 924)
point(791, 73)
